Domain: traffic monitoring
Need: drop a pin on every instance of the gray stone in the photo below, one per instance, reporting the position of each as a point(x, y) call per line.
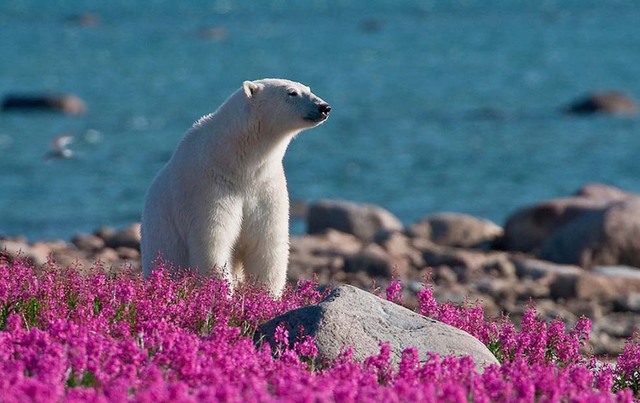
point(631, 274)
point(361, 220)
point(398, 245)
point(600, 191)
point(605, 287)
point(128, 237)
point(437, 255)
point(455, 229)
point(564, 286)
point(537, 269)
point(610, 236)
point(629, 302)
point(37, 253)
point(529, 227)
point(376, 262)
point(88, 242)
point(350, 317)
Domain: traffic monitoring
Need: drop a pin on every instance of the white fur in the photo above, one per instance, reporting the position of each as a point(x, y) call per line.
point(220, 205)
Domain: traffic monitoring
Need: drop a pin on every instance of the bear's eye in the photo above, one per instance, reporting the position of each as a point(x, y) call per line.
point(293, 93)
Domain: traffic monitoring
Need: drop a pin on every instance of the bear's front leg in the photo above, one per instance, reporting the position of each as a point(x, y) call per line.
point(212, 238)
point(265, 240)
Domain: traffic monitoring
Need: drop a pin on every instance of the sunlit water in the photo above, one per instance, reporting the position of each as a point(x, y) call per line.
point(435, 107)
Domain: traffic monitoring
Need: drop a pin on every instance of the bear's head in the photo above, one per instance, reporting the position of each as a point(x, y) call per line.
point(286, 106)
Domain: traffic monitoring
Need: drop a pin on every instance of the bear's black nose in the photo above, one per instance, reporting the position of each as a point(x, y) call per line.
point(325, 108)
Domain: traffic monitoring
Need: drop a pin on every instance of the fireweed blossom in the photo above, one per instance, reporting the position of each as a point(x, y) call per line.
point(66, 336)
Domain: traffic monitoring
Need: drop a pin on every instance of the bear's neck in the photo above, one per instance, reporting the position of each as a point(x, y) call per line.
point(241, 145)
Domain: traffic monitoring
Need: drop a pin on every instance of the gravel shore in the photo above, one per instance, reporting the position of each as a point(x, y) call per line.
point(467, 260)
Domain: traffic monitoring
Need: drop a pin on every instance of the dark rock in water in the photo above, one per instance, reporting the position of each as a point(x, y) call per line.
point(84, 19)
point(65, 103)
point(362, 220)
point(350, 317)
point(213, 33)
point(455, 229)
point(612, 102)
point(372, 25)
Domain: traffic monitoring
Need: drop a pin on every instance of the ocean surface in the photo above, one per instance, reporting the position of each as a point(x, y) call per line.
point(437, 105)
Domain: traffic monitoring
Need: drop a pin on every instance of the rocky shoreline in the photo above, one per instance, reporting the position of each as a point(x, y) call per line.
point(573, 256)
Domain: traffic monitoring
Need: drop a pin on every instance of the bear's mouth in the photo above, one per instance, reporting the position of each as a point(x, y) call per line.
point(315, 117)
point(320, 115)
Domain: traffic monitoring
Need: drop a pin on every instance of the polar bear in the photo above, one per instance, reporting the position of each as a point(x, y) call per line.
point(220, 206)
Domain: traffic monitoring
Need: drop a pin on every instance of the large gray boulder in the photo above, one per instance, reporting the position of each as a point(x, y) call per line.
point(362, 220)
point(350, 317)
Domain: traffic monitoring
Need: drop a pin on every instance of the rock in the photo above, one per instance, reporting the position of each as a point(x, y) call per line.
point(376, 262)
point(15, 248)
point(361, 220)
point(454, 229)
point(604, 287)
point(84, 19)
point(128, 253)
point(398, 245)
point(321, 255)
point(600, 191)
point(611, 102)
point(213, 33)
point(88, 242)
point(106, 233)
point(500, 266)
point(618, 324)
point(108, 256)
point(537, 269)
point(499, 289)
point(350, 317)
point(331, 242)
point(66, 103)
point(630, 274)
point(529, 227)
point(128, 237)
point(437, 255)
point(610, 236)
point(563, 286)
point(38, 253)
point(445, 275)
point(629, 302)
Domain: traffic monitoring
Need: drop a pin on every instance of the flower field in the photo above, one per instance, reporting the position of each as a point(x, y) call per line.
point(66, 336)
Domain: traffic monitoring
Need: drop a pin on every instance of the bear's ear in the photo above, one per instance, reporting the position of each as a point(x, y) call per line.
point(250, 88)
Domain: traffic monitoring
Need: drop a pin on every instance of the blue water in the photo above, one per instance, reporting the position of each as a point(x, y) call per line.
point(437, 105)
